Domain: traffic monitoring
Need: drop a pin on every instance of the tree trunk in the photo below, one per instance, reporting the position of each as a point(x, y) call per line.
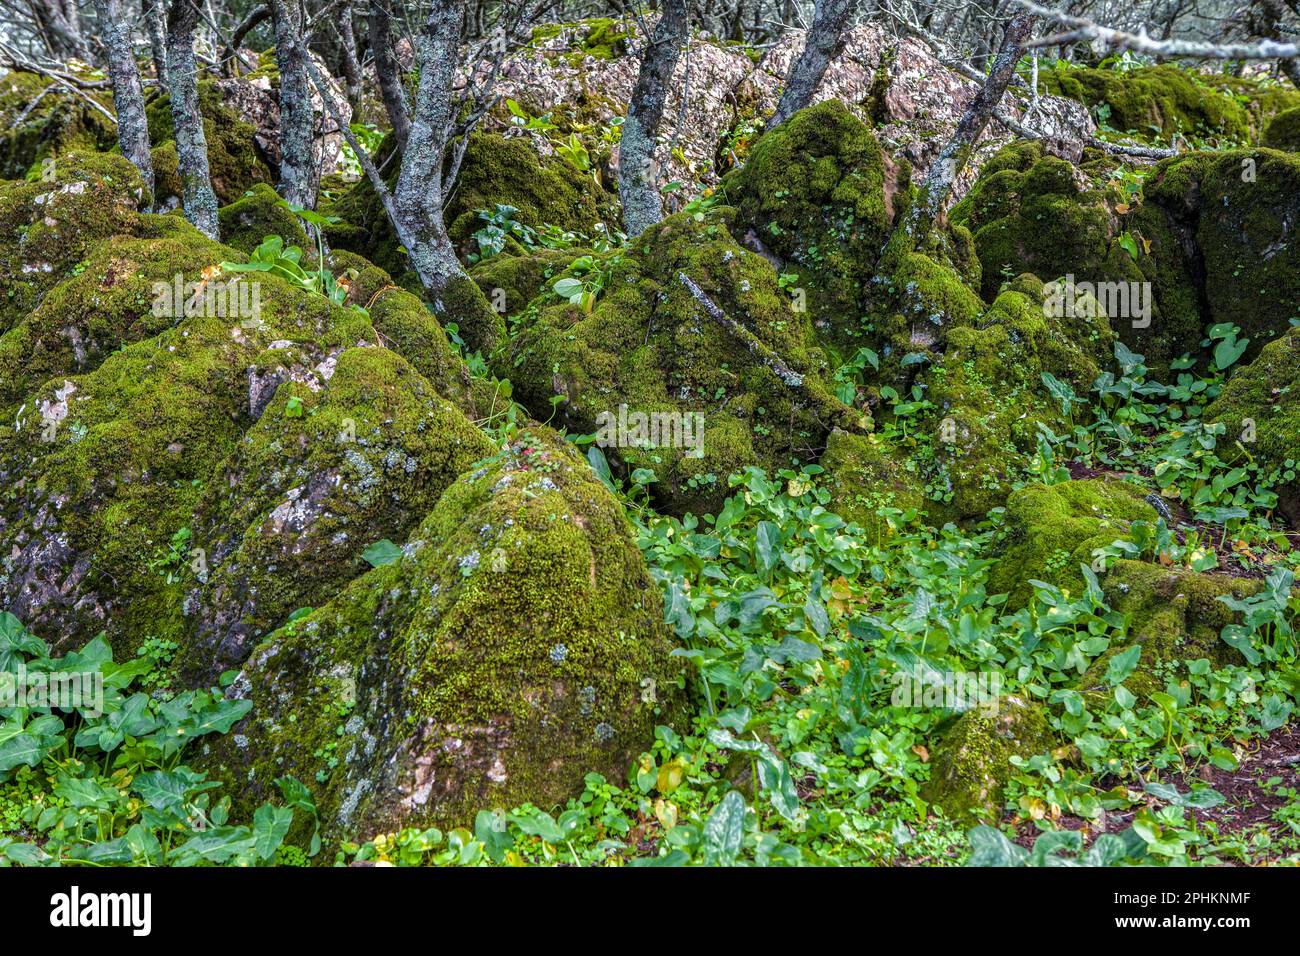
point(61, 28)
point(637, 179)
point(156, 17)
point(825, 39)
point(418, 198)
point(191, 143)
point(389, 73)
point(299, 175)
point(128, 95)
point(351, 63)
point(943, 172)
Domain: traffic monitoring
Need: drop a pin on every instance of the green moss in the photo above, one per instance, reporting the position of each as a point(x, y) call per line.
point(989, 396)
point(517, 646)
point(60, 123)
point(48, 226)
point(813, 193)
point(1222, 230)
point(233, 161)
point(521, 277)
point(1052, 529)
point(361, 456)
point(1156, 101)
point(601, 38)
point(1174, 613)
point(866, 477)
point(972, 762)
point(257, 214)
point(544, 190)
point(1260, 408)
point(1284, 132)
point(648, 345)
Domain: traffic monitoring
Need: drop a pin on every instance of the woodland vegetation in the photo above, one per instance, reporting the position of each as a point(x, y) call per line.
point(757, 432)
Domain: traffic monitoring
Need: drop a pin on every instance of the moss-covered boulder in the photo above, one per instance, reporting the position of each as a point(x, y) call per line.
point(1174, 614)
point(1052, 529)
point(1223, 248)
point(871, 484)
point(663, 383)
point(817, 195)
point(55, 121)
point(989, 395)
point(233, 160)
point(351, 451)
point(1156, 101)
point(1031, 212)
point(258, 213)
point(511, 280)
point(517, 644)
point(48, 225)
point(544, 190)
point(971, 763)
point(1283, 132)
point(1260, 408)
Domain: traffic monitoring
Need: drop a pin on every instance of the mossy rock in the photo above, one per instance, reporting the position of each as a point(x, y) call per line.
point(351, 451)
point(601, 38)
point(971, 763)
point(233, 160)
point(649, 348)
point(257, 214)
point(1260, 407)
point(1175, 615)
point(48, 226)
point(870, 483)
point(990, 398)
point(1052, 529)
point(1222, 227)
point(1283, 132)
point(817, 194)
point(521, 276)
point(60, 123)
point(1155, 101)
point(516, 645)
point(545, 190)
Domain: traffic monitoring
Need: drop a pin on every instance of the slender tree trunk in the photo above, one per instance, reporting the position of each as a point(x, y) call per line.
point(637, 180)
point(299, 175)
point(156, 17)
point(351, 63)
point(825, 39)
point(389, 73)
point(943, 172)
point(418, 198)
point(128, 95)
point(61, 28)
point(191, 143)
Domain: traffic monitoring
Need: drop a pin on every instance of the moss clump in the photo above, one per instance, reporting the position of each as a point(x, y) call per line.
point(257, 214)
point(354, 450)
point(1028, 213)
point(1284, 132)
point(815, 195)
point(233, 161)
point(1223, 228)
point(972, 761)
point(1052, 529)
point(47, 226)
point(870, 483)
point(601, 38)
point(1156, 101)
point(517, 645)
point(59, 123)
point(110, 302)
point(989, 396)
point(521, 277)
point(1174, 613)
point(649, 348)
point(1260, 407)
point(544, 190)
